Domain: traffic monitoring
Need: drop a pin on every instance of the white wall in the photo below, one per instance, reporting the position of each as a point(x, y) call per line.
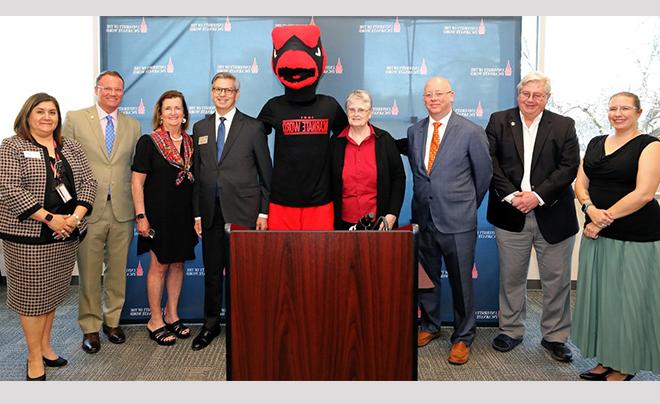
point(56, 55)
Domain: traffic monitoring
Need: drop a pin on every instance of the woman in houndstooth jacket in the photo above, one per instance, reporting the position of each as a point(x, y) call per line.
point(46, 189)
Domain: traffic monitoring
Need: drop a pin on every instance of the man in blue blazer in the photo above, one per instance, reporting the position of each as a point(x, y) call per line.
point(451, 170)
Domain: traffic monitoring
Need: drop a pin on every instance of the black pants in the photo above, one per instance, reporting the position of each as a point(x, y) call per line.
point(213, 253)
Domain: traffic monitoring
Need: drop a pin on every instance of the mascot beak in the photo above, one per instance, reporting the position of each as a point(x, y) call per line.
point(298, 55)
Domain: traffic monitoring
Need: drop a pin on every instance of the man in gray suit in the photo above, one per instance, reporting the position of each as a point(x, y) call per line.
point(531, 203)
point(451, 171)
point(232, 169)
point(108, 138)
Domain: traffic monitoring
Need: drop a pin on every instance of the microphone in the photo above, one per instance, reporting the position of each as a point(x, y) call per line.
point(366, 222)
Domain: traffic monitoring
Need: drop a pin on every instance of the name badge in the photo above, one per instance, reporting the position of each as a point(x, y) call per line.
point(203, 140)
point(63, 192)
point(31, 154)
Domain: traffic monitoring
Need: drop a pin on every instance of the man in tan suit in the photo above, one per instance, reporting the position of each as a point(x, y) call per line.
point(108, 138)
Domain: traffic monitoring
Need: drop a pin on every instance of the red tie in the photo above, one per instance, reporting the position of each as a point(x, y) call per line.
point(435, 145)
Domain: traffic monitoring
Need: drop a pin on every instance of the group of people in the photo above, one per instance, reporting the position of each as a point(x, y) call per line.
point(78, 188)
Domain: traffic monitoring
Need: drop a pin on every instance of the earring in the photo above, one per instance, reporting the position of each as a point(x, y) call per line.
point(183, 120)
point(161, 121)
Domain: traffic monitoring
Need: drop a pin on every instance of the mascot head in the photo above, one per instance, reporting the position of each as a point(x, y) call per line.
point(298, 56)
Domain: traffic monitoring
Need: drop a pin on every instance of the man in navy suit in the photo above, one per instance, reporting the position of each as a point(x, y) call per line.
point(451, 169)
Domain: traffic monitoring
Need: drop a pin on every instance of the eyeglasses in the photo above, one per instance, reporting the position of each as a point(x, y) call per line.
point(535, 96)
point(111, 90)
point(228, 91)
point(436, 94)
point(624, 108)
point(358, 111)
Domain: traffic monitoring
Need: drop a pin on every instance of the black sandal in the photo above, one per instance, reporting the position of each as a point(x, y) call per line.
point(160, 336)
point(179, 329)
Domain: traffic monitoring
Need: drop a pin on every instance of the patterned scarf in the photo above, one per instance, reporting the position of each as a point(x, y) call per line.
point(168, 150)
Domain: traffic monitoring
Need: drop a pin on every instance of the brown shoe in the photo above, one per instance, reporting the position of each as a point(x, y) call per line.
point(115, 334)
point(459, 354)
point(424, 337)
point(91, 343)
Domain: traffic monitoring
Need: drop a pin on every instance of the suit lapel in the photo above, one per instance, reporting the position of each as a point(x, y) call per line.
point(233, 134)
point(95, 126)
point(515, 124)
point(545, 126)
point(421, 133)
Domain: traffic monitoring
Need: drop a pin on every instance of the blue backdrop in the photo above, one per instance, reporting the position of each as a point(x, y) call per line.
point(391, 57)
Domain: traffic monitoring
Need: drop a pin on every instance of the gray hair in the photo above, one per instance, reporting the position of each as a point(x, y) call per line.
point(227, 75)
point(535, 76)
point(362, 95)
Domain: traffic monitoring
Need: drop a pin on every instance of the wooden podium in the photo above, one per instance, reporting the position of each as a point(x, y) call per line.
point(322, 305)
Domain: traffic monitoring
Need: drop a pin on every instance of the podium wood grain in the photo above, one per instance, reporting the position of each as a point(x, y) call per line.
point(322, 306)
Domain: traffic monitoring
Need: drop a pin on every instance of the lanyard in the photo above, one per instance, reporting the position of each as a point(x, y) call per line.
point(58, 163)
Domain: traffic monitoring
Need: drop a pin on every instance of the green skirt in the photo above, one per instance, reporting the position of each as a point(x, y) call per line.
point(617, 312)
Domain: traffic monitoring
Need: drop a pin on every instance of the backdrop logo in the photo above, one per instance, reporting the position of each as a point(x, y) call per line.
point(137, 110)
point(139, 312)
point(210, 26)
point(334, 69)
point(201, 109)
point(410, 69)
point(475, 274)
point(155, 69)
point(250, 68)
point(476, 112)
point(139, 271)
point(465, 29)
point(390, 110)
point(139, 28)
point(395, 26)
point(492, 71)
point(482, 315)
point(195, 271)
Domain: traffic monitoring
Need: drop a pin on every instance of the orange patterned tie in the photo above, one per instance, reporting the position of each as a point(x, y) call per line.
point(435, 145)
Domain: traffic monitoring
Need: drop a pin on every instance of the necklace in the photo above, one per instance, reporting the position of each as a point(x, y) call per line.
point(176, 139)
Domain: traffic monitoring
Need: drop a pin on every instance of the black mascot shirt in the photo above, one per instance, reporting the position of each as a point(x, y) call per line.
point(301, 171)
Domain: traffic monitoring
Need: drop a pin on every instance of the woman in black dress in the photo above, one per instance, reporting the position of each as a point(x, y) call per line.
point(617, 311)
point(162, 194)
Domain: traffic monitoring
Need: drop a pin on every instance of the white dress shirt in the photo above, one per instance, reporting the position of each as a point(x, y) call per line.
point(529, 137)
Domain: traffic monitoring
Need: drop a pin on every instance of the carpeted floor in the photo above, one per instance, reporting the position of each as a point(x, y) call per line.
point(141, 359)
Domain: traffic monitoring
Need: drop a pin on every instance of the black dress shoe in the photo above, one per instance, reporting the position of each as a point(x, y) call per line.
point(558, 350)
point(504, 343)
point(115, 334)
point(595, 377)
point(204, 338)
point(91, 342)
point(41, 378)
point(55, 363)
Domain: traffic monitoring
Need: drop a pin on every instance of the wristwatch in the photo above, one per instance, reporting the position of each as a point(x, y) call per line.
point(48, 217)
point(586, 206)
point(139, 216)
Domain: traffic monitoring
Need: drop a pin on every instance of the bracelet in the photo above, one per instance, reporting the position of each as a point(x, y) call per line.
point(77, 218)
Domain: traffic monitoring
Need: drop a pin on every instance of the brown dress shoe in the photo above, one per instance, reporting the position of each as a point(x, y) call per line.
point(91, 343)
point(115, 334)
point(459, 354)
point(424, 337)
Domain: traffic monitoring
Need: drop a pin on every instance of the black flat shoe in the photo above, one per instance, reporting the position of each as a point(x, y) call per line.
point(204, 338)
point(595, 377)
point(558, 350)
point(504, 343)
point(55, 363)
point(41, 378)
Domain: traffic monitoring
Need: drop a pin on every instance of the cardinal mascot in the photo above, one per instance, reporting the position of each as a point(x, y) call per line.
point(300, 193)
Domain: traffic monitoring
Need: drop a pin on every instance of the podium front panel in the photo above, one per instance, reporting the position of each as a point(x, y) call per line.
point(322, 306)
